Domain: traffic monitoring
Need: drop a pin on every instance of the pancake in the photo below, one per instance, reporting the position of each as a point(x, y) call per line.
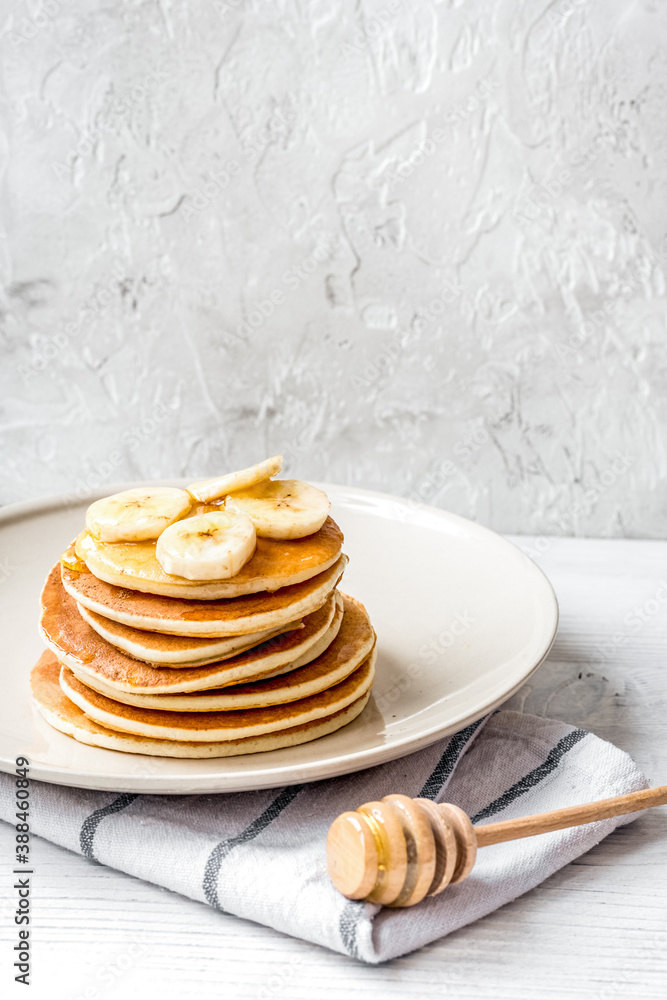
point(352, 644)
point(67, 718)
point(251, 613)
point(94, 659)
point(275, 564)
point(215, 727)
point(175, 650)
point(61, 616)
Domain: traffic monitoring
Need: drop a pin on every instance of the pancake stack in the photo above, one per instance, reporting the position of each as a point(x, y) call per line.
point(269, 655)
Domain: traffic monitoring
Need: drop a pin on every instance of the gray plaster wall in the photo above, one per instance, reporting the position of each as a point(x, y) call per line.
point(416, 246)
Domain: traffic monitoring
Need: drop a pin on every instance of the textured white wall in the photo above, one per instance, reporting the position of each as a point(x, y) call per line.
point(417, 246)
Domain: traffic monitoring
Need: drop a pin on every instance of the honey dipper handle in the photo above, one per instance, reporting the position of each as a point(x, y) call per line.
point(560, 819)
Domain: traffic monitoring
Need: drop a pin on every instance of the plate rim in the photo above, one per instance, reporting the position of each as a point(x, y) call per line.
point(351, 762)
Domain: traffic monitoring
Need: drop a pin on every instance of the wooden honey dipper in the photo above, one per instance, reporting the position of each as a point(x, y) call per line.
point(399, 850)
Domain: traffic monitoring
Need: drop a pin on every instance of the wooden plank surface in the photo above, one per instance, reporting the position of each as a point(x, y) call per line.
point(597, 929)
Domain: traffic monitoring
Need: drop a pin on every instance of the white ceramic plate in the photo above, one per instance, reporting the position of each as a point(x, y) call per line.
point(462, 618)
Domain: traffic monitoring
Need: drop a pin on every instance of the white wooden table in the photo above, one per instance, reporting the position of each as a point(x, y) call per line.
point(596, 929)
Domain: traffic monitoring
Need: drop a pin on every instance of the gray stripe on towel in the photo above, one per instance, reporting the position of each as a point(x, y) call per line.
point(533, 777)
point(221, 850)
point(91, 823)
point(452, 753)
point(349, 921)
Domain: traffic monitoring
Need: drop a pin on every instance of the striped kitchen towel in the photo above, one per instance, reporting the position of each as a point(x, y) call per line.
point(260, 855)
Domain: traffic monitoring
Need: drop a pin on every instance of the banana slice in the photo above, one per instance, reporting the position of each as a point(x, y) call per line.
point(213, 489)
point(282, 508)
point(136, 515)
point(211, 546)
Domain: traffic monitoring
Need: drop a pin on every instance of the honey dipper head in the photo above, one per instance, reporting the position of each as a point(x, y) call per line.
point(399, 850)
point(352, 856)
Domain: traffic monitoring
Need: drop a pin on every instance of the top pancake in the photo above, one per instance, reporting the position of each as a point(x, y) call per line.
point(251, 613)
point(275, 564)
point(60, 612)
